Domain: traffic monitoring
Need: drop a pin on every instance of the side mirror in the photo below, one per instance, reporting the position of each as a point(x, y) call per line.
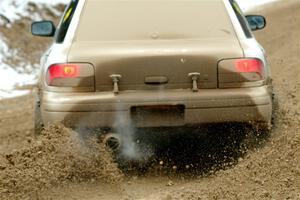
point(256, 22)
point(43, 28)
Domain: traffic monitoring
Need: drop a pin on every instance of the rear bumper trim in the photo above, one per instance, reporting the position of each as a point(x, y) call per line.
point(205, 106)
point(107, 101)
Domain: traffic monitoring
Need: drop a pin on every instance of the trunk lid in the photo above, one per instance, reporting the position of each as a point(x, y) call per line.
point(156, 64)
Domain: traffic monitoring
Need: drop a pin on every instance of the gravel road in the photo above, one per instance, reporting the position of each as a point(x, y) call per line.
point(226, 162)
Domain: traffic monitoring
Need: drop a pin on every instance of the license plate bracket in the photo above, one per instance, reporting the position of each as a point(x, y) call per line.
point(158, 115)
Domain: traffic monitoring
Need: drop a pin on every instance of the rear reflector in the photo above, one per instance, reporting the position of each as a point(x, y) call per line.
point(71, 75)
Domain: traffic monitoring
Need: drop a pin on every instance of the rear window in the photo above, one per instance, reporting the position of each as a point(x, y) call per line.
point(153, 19)
point(241, 18)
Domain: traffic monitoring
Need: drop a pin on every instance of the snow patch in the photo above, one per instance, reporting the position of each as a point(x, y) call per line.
point(12, 10)
point(10, 79)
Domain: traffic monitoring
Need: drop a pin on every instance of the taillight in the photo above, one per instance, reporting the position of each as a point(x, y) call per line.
point(244, 72)
point(71, 75)
point(63, 71)
point(250, 66)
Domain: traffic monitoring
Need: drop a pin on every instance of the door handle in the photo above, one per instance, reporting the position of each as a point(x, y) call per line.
point(156, 80)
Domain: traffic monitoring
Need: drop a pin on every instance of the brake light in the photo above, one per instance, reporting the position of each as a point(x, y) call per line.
point(81, 75)
point(63, 71)
point(250, 66)
point(241, 72)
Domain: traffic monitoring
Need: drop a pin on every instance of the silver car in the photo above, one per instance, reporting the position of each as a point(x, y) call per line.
point(153, 63)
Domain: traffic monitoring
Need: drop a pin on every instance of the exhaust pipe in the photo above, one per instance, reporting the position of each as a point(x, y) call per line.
point(113, 141)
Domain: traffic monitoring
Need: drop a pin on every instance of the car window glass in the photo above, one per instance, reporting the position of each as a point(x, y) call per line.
point(135, 20)
point(241, 19)
point(66, 20)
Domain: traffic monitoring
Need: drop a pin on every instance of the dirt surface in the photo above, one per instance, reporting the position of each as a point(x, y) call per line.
point(225, 162)
point(59, 155)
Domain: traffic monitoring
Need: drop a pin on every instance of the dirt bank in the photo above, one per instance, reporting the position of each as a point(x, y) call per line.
point(234, 164)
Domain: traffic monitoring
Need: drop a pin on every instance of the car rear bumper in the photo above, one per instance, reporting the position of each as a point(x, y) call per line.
point(104, 109)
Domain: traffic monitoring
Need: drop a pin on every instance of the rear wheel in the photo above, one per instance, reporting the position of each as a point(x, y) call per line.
point(263, 128)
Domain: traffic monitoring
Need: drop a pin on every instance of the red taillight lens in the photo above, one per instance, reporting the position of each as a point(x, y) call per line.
point(241, 72)
point(250, 66)
point(63, 71)
point(81, 75)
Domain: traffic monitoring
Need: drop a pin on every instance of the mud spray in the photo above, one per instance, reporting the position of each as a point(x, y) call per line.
point(58, 156)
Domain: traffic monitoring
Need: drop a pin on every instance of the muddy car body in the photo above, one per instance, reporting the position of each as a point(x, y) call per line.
point(159, 63)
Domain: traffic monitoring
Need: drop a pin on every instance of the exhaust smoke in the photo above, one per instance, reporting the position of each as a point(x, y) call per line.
point(130, 149)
